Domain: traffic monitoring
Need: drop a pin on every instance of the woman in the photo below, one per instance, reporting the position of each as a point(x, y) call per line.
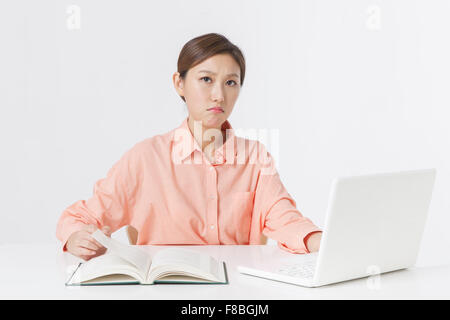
point(198, 183)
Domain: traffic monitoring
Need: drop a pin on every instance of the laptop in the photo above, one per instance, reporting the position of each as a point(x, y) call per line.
point(374, 224)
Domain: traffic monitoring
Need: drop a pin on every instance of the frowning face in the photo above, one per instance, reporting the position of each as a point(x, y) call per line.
point(210, 89)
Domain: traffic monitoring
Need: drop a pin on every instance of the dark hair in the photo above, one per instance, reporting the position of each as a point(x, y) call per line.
point(203, 47)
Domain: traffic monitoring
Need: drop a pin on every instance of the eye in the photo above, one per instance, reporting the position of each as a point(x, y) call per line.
point(205, 78)
point(235, 83)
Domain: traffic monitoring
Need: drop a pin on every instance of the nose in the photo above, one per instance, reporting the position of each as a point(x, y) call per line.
point(217, 94)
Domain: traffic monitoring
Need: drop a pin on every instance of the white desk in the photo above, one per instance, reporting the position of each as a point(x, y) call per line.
point(39, 272)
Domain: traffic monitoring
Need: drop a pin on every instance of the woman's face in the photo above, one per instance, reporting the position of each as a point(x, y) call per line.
point(213, 83)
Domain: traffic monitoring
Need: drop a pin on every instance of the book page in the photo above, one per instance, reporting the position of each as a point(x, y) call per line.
point(101, 266)
point(190, 260)
point(131, 253)
point(113, 279)
point(181, 275)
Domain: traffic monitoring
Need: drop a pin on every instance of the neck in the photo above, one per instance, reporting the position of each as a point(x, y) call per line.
point(198, 130)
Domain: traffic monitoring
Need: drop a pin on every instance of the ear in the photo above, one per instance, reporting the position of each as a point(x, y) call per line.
point(178, 83)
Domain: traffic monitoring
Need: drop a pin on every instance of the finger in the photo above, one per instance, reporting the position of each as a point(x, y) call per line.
point(80, 251)
point(98, 244)
point(91, 228)
point(106, 230)
point(86, 235)
point(86, 257)
point(88, 244)
point(99, 253)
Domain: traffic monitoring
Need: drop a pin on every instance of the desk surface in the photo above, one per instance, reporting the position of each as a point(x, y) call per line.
point(39, 272)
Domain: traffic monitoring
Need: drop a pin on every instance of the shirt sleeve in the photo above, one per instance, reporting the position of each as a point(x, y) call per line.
point(280, 218)
point(109, 204)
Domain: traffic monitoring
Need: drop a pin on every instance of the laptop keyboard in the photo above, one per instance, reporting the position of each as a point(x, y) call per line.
point(299, 270)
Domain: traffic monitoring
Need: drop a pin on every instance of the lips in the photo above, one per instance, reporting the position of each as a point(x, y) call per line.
point(216, 109)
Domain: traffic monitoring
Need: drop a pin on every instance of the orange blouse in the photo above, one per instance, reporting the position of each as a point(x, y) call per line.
point(167, 189)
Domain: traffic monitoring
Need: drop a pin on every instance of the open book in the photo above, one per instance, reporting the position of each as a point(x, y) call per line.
point(128, 264)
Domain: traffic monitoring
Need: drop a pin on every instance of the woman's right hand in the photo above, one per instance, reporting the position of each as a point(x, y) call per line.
point(83, 245)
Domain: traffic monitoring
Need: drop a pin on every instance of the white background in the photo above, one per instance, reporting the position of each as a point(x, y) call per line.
point(353, 87)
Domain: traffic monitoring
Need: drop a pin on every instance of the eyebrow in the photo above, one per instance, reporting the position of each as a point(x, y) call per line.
point(228, 75)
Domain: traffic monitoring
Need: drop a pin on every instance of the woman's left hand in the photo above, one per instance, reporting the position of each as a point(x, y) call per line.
point(313, 241)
